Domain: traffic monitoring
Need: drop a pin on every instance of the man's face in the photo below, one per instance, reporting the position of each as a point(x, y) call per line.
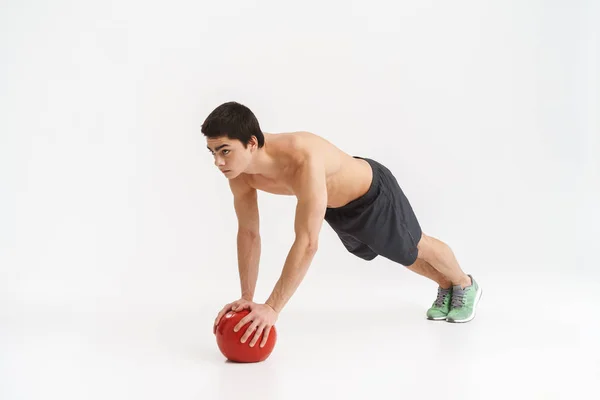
point(231, 157)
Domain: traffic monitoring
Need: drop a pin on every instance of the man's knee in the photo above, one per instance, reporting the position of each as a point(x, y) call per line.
point(426, 248)
point(405, 250)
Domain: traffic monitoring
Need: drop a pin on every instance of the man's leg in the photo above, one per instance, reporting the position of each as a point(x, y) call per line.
point(441, 257)
point(465, 292)
point(425, 269)
point(441, 306)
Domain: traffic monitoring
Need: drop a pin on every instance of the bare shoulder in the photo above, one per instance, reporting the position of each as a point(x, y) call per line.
point(301, 140)
point(302, 146)
point(310, 156)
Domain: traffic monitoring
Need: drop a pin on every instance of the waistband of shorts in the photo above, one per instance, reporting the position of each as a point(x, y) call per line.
point(371, 192)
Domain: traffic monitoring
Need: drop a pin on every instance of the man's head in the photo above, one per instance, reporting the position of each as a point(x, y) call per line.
point(232, 134)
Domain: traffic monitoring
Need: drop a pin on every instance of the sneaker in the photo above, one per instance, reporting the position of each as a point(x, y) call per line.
point(441, 306)
point(464, 301)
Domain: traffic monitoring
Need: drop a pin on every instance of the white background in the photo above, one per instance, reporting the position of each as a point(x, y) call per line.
point(117, 233)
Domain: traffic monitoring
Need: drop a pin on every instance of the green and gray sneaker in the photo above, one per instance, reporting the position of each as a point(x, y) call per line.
point(464, 301)
point(441, 306)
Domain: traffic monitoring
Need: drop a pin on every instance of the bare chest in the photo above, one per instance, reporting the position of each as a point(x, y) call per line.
point(280, 185)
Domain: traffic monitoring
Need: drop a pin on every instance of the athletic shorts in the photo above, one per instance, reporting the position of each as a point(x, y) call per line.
point(380, 222)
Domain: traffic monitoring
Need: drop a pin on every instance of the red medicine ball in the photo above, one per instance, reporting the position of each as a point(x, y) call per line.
point(233, 349)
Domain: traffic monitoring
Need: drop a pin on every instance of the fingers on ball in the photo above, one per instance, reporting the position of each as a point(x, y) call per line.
point(248, 332)
point(259, 332)
point(265, 336)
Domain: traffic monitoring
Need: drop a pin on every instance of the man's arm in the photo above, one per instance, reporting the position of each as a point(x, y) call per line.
point(248, 236)
point(311, 190)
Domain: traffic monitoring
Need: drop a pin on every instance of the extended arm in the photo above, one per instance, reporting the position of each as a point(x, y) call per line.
point(248, 237)
point(311, 191)
point(248, 244)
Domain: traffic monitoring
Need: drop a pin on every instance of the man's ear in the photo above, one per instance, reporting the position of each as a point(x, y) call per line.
point(253, 143)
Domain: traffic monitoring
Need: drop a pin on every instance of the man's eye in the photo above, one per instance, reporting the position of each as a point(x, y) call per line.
point(225, 151)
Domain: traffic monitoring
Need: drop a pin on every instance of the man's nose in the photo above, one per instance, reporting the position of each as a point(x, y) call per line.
point(219, 161)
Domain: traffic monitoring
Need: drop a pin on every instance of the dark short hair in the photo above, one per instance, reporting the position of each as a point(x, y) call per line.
point(235, 121)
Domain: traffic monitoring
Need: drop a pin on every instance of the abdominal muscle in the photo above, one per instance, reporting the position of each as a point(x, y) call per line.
point(350, 182)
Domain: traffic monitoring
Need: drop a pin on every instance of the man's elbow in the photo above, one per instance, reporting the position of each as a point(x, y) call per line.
point(248, 233)
point(312, 247)
point(309, 243)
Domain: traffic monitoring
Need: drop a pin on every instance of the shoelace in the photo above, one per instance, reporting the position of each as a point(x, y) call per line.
point(458, 297)
point(440, 296)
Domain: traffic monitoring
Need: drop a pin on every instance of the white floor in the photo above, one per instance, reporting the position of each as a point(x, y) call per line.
point(377, 344)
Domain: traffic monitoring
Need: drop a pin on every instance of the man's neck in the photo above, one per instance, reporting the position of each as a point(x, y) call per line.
point(262, 164)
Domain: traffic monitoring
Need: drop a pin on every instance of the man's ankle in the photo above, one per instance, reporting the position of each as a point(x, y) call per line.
point(465, 282)
point(445, 284)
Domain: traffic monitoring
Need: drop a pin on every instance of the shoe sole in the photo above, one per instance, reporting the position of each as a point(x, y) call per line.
point(477, 298)
point(437, 319)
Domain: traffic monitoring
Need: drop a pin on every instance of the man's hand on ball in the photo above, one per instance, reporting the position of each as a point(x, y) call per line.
point(237, 305)
point(263, 317)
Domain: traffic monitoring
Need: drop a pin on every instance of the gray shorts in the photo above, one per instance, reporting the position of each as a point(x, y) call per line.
point(380, 222)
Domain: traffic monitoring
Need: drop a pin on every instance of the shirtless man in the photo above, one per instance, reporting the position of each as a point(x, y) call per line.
point(358, 197)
